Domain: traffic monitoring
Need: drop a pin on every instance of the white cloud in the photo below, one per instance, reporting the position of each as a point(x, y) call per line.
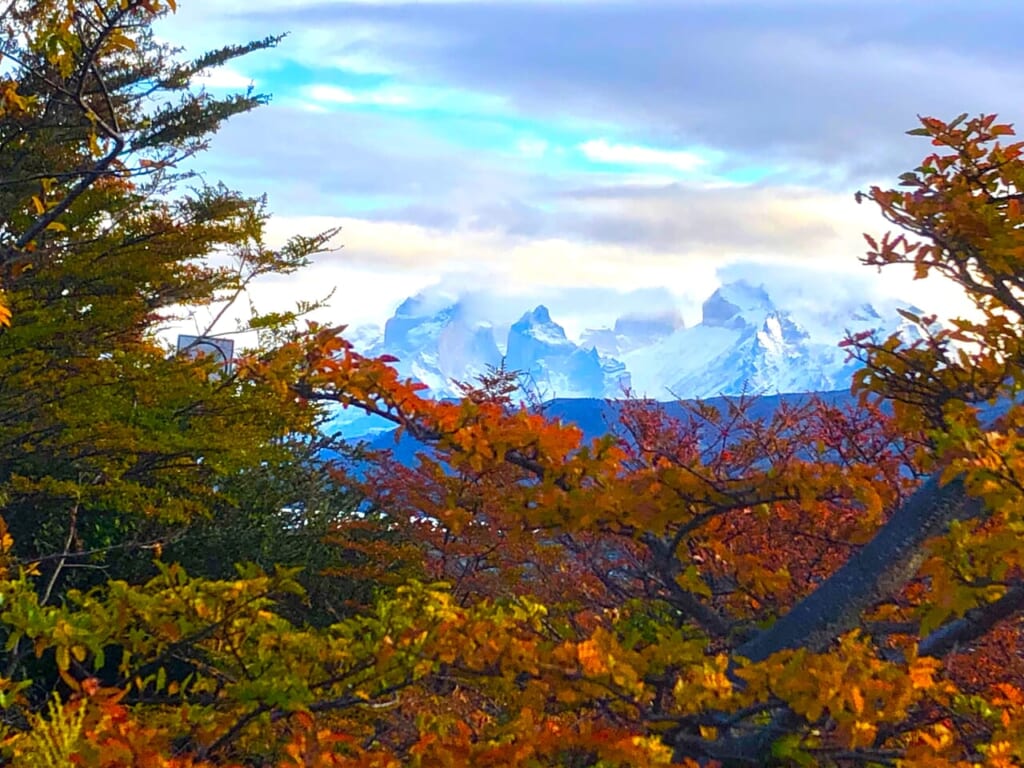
point(532, 147)
point(585, 284)
point(405, 256)
point(602, 151)
point(406, 96)
point(337, 95)
point(225, 77)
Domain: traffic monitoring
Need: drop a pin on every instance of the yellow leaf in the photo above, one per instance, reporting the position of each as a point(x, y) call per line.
point(922, 675)
point(590, 658)
point(13, 97)
point(857, 699)
point(122, 40)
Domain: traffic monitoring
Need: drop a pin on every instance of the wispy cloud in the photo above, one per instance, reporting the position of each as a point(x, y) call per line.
point(333, 94)
point(603, 151)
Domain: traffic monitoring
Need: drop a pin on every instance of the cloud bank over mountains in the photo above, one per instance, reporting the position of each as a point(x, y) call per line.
point(744, 342)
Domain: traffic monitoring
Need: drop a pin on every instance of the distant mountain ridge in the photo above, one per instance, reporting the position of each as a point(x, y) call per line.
point(744, 343)
point(594, 417)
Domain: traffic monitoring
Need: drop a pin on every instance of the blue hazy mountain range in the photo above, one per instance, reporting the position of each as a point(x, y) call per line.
point(595, 417)
point(744, 343)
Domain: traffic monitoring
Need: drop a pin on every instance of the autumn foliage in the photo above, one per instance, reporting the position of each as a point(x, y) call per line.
point(191, 574)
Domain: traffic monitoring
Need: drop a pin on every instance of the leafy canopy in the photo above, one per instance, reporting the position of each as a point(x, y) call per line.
point(825, 586)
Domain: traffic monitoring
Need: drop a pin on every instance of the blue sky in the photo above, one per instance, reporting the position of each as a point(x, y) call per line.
point(603, 157)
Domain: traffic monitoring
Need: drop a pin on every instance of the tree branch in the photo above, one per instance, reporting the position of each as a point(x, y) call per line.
point(878, 570)
point(668, 567)
point(973, 624)
point(90, 175)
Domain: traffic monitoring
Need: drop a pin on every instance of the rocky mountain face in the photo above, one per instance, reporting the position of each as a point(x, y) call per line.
point(744, 343)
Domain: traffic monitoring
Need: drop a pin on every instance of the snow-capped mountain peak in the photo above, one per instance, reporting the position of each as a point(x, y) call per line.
point(416, 322)
point(552, 364)
point(736, 305)
point(744, 343)
point(538, 325)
